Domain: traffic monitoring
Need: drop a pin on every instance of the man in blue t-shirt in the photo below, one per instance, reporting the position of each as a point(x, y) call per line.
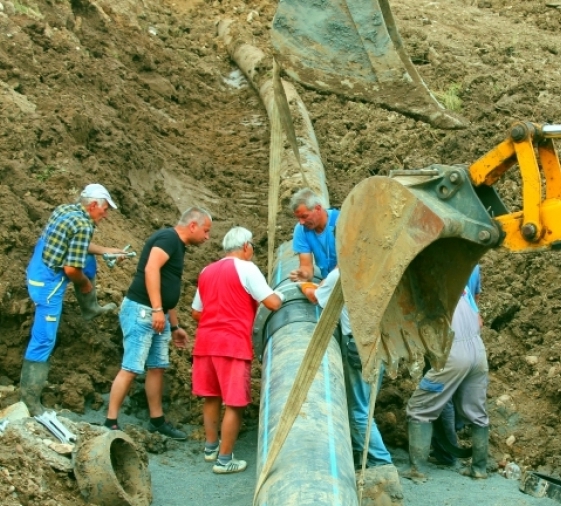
point(314, 235)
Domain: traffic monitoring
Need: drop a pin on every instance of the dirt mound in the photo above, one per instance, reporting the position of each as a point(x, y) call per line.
point(142, 97)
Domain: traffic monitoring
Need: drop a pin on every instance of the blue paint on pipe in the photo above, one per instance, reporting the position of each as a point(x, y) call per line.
point(266, 407)
point(331, 432)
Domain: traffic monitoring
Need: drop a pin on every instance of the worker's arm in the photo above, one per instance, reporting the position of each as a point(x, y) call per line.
point(77, 276)
point(152, 277)
point(273, 301)
point(197, 307)
point(305, 271)
point(96, 249)
point(309, 290)
point(254, 282)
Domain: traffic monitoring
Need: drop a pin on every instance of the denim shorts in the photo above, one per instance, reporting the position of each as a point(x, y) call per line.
point(143, 347)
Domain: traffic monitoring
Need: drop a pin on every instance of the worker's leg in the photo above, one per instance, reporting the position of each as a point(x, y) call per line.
point(119, 390)
point(46, 289)
point(444, 428)
point(205, 384)
point(471, 397)
point(234, 376)
point(156, 363)
point(88, 301)
point(154, 386)
point(231, 424)
point(358, 398)
point(436, 388)
point(136, 324)
point(211, 418)
point(426, 404)
point(471, 404)
point(45, 324)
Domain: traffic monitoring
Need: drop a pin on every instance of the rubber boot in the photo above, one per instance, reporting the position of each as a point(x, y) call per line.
point(480, 447)
point(89, 305)
point(444, 428)
point(33, 380)
point(420, 435)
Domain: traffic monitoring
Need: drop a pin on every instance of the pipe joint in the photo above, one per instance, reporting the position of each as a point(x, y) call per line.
point(295, 308)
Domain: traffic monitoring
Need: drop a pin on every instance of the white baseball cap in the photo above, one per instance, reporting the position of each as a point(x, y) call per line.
point(98, 191)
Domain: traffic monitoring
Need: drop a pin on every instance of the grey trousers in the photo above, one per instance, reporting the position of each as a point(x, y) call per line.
point(464, 379)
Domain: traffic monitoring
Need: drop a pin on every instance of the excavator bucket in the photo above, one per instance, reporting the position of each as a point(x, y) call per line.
point(406, 247)
point(353, 48)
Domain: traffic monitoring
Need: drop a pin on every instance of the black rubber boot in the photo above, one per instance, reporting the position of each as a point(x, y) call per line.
point(420, 435)
point(480, 445)
point(89, 305)
point(33, 380)
point(443, 428)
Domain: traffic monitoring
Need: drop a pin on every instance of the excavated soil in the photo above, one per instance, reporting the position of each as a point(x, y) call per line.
point(142, 97)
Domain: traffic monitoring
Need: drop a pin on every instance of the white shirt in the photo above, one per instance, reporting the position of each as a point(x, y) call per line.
point(322, 295)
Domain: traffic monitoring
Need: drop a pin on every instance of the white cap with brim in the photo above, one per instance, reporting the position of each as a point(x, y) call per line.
point(98, 191)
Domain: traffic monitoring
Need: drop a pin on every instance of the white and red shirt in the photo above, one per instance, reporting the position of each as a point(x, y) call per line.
point(228, 295)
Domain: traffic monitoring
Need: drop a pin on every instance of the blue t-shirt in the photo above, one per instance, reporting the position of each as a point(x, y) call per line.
point(474, 282)
point(466, 294)
point(322, 245)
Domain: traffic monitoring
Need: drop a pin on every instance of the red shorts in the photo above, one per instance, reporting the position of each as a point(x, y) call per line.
point(225, 377)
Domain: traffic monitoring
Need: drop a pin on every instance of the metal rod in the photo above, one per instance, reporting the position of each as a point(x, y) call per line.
point(552, 131)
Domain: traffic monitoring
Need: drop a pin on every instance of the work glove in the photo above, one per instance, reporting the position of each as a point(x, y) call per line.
point(309, 290)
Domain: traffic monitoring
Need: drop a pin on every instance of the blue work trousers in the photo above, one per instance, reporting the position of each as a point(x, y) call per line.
point(358, 399)
point(46, 288)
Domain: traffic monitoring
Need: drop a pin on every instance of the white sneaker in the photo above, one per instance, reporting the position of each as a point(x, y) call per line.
point(212, 455)
point(234, 466)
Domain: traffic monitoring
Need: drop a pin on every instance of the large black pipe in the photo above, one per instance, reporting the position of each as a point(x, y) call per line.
point(315, 465)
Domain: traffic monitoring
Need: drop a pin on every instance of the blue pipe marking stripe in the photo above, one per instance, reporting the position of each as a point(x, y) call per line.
point(279, 265)
point(330, 432)
point(268, 358)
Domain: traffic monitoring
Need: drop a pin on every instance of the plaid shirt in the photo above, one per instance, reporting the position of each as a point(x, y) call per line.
point(67, 236)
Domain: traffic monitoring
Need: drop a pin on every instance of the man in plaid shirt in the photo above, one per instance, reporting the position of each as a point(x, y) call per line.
point(63, 254)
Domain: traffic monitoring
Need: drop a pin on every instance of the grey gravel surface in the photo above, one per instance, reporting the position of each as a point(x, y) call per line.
point(181, 477)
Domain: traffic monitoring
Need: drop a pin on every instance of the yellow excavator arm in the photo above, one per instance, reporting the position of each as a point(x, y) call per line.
point(539, 223)
point(407, 243)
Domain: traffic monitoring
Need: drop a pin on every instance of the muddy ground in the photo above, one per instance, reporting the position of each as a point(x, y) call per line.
point(141, 97)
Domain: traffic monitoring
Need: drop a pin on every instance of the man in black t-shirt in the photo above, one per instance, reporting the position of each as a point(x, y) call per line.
point(149, 319)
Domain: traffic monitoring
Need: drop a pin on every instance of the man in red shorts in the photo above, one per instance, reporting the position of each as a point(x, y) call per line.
point(229, 292)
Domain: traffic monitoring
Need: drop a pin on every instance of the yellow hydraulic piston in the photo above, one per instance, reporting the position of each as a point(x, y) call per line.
point(538, 224)
point(405, 263)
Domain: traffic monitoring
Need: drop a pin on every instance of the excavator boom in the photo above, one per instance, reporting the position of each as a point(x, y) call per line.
point(353, 48)
point(405, 262)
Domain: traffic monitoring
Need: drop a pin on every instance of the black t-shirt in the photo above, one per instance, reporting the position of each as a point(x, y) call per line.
point(170, 273)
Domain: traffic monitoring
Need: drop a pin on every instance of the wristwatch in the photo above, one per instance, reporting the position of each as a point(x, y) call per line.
point(173, 328)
